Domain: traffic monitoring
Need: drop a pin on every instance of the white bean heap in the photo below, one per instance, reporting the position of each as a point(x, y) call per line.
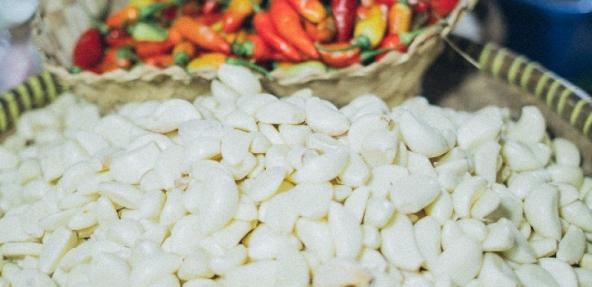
point(241, 188)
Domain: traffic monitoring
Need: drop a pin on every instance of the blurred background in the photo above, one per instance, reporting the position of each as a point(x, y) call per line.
point(556, 33)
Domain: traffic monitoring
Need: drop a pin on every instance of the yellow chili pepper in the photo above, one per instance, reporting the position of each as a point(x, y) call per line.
point(369, 32)
point(141, 3)
point(207, 61)
point(399, 18)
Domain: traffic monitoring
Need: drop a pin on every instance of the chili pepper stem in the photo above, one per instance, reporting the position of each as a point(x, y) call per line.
point(243, 49)
point(181, 59)
point(408, 37)
point(253, 66)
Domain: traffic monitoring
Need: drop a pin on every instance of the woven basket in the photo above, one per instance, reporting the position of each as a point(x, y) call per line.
point(58, 24)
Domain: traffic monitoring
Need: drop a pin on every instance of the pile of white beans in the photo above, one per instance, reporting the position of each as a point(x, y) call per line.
point(241, 188)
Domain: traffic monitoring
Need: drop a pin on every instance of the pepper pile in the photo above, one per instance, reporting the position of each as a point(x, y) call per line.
point(260, 34)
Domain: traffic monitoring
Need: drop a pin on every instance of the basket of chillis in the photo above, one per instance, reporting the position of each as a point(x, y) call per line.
point(154, 49)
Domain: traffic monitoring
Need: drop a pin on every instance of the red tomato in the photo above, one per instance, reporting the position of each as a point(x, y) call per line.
point(88, 50)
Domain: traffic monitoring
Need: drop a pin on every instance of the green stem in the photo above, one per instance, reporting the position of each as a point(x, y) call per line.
point(181, 59)
point(256, 7)
point(368, 55)
point(408, 37)
point(252, 66)
point(148, 11)
point(361, 42)
point(244, 49)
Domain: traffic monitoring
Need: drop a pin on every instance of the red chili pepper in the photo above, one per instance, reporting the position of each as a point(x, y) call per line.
point(235, 14)
point(161, 61)
point(210, 6)
point(421, 7)
point(322, 32)
point(344, 13)
point(341, 58)
point(191, 8)
point(119, 37)
point(88, 50)
point(146, 50)
point(254, 47)
point(201, 35)
point(338, 55)
point(264, 27)
point(386, 2)
point(128, 14)
point(287, 23)
point(443, 7)
point(312, 10)
point(170, 13)
point(392, 42)
point(209, 19)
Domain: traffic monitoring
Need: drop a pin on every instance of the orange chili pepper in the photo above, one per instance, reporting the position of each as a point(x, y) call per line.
point(311, 10)
point(264, 27)
point(183, 52)
point(128, 14)
point(322, 32)
point(161, 61)
point(399, 18)
point(174, 36)
point(362, 12)
point(254, 47)
point(116, 58)
point(146, 49)
point(201, 35)
point(287, 23)
point(236, 13)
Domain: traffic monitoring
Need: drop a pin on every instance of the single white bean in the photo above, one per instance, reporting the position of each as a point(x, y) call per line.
point(428, 235)
point(532, 275)
point(495, 272)
point(317, 238)
point(541, 208)
point(563, 273)
point(499, 237)
point(572, 245)
point(347, 234)
point(579, 214)
point(413, 193)
point(461, 260)
point(399, 244)
point(324, 118)
point(340, 272)
point(530, 128)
